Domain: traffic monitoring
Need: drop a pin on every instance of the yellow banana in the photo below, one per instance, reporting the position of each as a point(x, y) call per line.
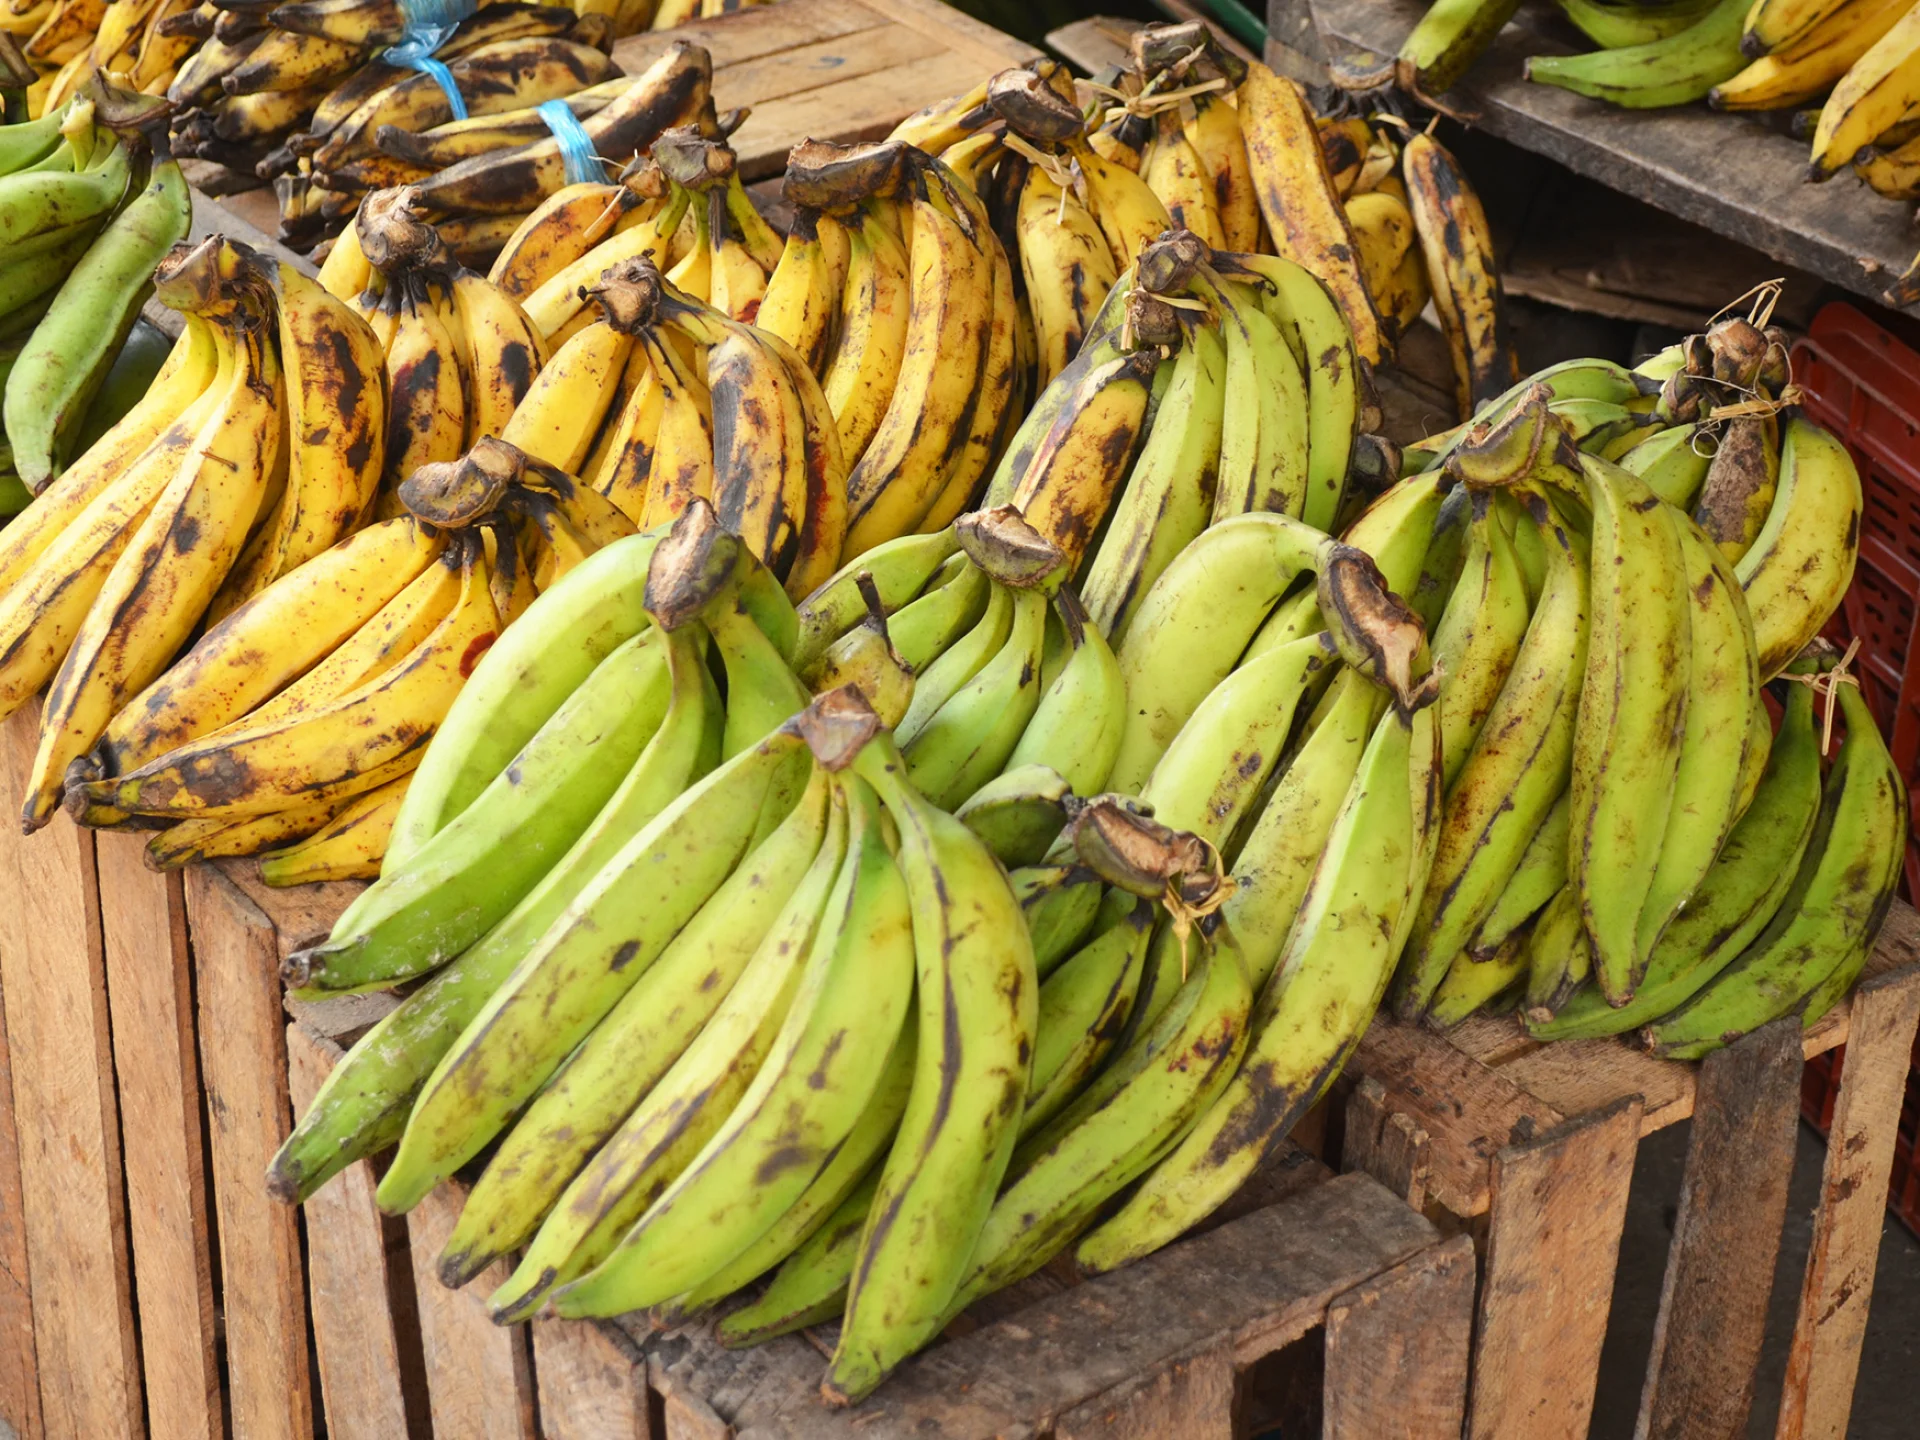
point(349, 846)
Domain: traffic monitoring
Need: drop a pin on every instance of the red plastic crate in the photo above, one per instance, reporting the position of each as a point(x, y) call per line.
point(1864, 385)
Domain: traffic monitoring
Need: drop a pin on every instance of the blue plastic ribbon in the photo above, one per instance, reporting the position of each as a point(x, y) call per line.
point(430, 23)
point(576, 146)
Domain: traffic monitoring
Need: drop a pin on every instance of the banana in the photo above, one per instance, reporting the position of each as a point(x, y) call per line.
point(1774, 24)
point(502, 356)
point(58, 372)
point(1175, 173)
point(1676, 70)
point(1351, 925)
point(705, 1039)
point(996, 406)
point(265, 645)
point(1870, 99)
point(1142, 1104)
point(899, 476)
point(969, 738)
point(811, 1287)
point(192, 840)
point(801, 303)
point(974, 962)
point(1067, 267)
point(1168, 497)
point(1214, 132)
point(566, 983)
point(1075, 730)
point(1801, 562)
point(1805, 70)
point(925, 628)
point(1515, 771)
point(336, 433)
point(1674, 463)
point(1723, 687)
point(563, 409)
point(1479, 635)
point(679, 467)
point(1448, 39)
point(1086, 1002)
point(1538, 878)
point(1831, 912)
point(557, 304)
point(1740, 893)
point(807, 1096)
point(1742, 479)
point(898, 570)
point(1462, 271)
point(1298, 200)
point(560, 230)
point(337, 748)
point(874, 316)
point(348, 847)
point(1557, 952)
point(1265, 438)
point(762, 692)
point(171, 565)
point(1195, 622)
point(427, 411)
point(1079, 464)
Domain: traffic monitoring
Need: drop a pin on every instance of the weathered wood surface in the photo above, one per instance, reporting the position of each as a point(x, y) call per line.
point(1191, 1399)
point(1559, 1202)
point(1733, 175)
point(479, 1375)
point(1387, 1144)
point(1244, 1290)
point(1824, 1358)
point(1733, 1203)
point(833, 69)
point(19, 1375)
point(592, 1382)
point(243, 1059)
point(362, 1387)
point(143, 921)
point(1397, 1346)
point(67, 1121)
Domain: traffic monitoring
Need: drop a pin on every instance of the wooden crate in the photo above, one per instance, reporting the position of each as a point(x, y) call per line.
point(1531, 1147)
point(840, 70)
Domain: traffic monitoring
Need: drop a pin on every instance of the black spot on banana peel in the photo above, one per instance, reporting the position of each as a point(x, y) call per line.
point(836, 726)
point(1373, 629)
point(1002, 543)
point(690, 566)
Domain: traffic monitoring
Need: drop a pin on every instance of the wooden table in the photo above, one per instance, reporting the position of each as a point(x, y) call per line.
point(1736, 176)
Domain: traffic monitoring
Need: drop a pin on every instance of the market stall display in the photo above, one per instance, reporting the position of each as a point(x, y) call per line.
point(902, 755)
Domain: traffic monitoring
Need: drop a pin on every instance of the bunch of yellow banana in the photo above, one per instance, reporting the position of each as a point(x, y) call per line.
point(660, 399)
point(141, 42)
point(459, 352)
point(301, 715)
point(257, 447)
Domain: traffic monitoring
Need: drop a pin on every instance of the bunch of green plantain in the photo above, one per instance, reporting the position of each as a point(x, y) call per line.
point(1621, 561)
point(90, 200)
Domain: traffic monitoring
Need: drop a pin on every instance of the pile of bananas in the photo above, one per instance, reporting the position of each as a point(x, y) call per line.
point(370, 641)
point(258, 446)
point(90, 201)
point(141, 43)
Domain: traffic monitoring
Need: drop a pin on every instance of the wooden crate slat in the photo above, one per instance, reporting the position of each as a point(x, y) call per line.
point(1575, 1076)
point(1189, 1400)
point(1733, 1203)
point(749, 34)
point(592, 1382)
point(362, 1387)
point(1824, 1358)
point(1732, 175)
point(19, 1375)
point(794, 72)
point(1249, 1287)
point(67, 1118)
point(244, 1062)
point(1468, 1110)
point(989, 49)
point(1397, 1349)
point(1559, 1203)
point(479, 1376)
point(143, 921)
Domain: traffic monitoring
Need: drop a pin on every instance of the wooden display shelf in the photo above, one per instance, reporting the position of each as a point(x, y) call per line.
point(1532, 1146)
point(1736, 176)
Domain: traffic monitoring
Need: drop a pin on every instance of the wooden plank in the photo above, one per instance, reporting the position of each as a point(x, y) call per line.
point(143, 921)
point(749, 34)
point(299, 914)
point(19, 1376)
point(361, 1385)
point(1824, 1358)
point(1558, 1204)
point(1094, 43)
point(1188, 1400)
point(1575, 1076)
point(53, 975)
point(1468, 1110)
point(1396, 1347)
point(592, 1382)
point(243, 1059)
point(1733, 1202)
point(1735, 176)
point(1249, 1287)
point(792, 72)
point(478, 1374)
point(978, 43)
point(688, 1417)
